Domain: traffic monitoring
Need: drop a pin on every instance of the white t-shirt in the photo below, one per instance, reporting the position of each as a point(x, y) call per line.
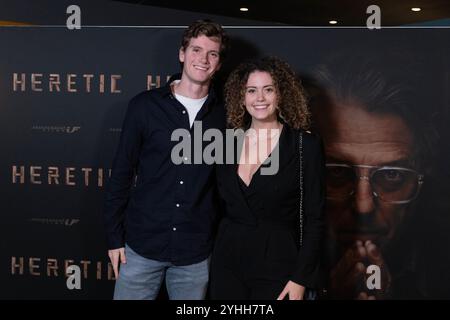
point(192, 106)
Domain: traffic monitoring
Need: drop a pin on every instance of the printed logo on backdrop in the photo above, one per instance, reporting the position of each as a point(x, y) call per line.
point(49, 267)
point(66, 222)
point(77, 82)
point(59, 176)
point(115, 130)
point(68, 83)
point(154, 81)
point(56, 129)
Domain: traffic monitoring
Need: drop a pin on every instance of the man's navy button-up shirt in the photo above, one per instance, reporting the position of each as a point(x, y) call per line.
point(163, 211)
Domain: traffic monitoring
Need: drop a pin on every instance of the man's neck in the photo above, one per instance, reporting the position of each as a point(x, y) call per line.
point(191, 90)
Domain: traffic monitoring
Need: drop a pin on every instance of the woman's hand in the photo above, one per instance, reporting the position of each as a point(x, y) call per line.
point(294, 290)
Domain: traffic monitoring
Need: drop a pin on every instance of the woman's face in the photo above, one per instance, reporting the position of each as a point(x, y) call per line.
point(261, 97)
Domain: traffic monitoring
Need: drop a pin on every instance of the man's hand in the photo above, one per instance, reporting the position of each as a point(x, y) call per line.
point(294, 290)
point(348, 278)
point(374, 257)
point(115, 255)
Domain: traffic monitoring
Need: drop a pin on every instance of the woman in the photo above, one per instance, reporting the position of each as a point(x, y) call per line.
point(257, 253)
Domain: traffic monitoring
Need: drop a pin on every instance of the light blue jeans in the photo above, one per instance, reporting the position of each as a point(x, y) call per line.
point(141, 278)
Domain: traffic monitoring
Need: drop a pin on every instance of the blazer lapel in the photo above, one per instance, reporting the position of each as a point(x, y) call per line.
point(286, 150)
point(232, 181)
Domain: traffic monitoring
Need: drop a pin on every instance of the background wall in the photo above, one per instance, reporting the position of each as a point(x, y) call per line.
point(63, 95)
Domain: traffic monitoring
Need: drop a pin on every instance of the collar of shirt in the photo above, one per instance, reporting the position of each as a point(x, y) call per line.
point(167, 91)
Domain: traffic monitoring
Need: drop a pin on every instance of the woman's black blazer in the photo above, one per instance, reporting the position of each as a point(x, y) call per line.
point(276, 199)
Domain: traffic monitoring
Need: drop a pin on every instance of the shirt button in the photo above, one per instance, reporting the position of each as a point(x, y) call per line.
point(181, 182)
point(178, 205)
point(174, 229)
point(184, 111)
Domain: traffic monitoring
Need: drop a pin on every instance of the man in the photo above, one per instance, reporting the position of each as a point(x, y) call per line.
point(378, 142)
point(161, 226)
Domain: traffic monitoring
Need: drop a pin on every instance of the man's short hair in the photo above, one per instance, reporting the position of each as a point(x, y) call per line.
point(209, 29)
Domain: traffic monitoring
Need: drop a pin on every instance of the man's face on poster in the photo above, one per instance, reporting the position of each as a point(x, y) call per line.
point(370, 174)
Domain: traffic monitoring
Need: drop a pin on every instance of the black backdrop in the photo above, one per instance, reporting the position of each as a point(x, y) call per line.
point(57, 142)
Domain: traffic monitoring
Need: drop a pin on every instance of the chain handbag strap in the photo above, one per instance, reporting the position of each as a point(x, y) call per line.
point(310, 294)
point(301, 187)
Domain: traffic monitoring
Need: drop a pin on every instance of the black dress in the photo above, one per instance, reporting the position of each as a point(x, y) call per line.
point(257, 247)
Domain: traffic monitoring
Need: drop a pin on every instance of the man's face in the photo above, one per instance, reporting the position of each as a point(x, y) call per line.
point(355, 137)
point(201, 59)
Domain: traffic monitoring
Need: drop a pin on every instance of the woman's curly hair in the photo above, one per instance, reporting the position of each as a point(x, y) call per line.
point(292, 103)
